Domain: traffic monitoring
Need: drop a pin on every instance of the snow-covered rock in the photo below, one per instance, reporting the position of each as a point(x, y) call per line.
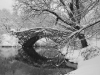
point(94, 42)
point(74, 56)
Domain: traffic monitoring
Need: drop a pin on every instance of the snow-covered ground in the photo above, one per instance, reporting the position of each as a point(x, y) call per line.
point(88, 67)
point(85, 67)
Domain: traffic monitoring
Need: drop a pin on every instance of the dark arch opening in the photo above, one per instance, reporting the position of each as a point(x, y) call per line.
point(28, 48)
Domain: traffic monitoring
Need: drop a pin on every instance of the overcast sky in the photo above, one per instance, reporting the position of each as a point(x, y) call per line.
point(6, 4)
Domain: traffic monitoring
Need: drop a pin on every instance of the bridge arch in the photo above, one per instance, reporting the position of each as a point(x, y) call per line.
point(37, 59)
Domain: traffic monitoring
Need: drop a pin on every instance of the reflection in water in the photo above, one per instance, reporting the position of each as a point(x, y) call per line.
point(47, 51)
point(7, 52)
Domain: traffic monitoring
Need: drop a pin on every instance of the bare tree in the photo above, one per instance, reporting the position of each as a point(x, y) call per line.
point(67, 13)
point(79, 17)
point(72, 15)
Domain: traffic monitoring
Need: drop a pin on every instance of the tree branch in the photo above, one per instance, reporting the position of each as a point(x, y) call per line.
point(7, 28)
point(56, 21)
point(66, 22)
point(67, 41)
point(83, 13)
point(62, 2)
point(58, 17)
point(78, 31)
point(67, 28)
point(90, 7)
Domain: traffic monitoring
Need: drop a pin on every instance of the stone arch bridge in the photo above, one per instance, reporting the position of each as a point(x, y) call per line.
point(27, 53)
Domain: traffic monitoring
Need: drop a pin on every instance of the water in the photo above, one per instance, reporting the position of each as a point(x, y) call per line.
point(9, 66)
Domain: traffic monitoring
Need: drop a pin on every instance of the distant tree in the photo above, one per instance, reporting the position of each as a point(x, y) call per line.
point(5, 20)
point(9, 21)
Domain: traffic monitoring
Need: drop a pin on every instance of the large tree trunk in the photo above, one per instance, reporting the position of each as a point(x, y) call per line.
point(75, 7)
point(83, 40)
